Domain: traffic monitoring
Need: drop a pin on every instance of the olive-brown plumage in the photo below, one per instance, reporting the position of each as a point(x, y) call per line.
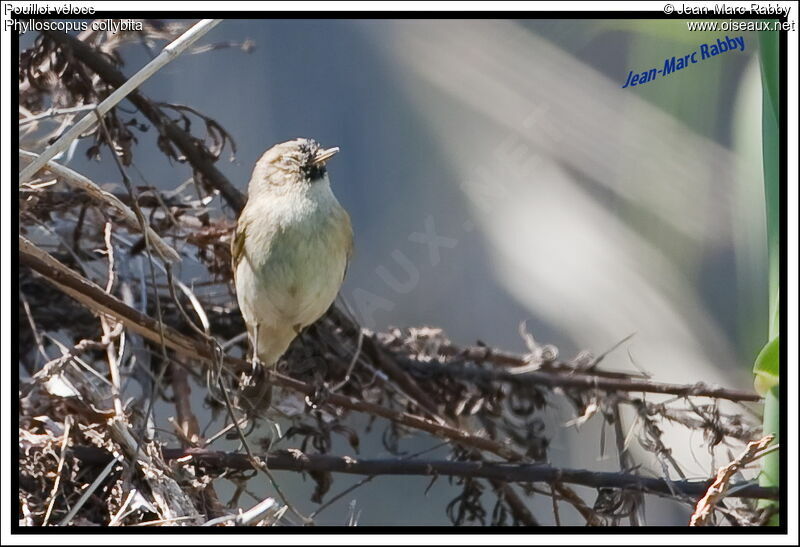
point(291, 246)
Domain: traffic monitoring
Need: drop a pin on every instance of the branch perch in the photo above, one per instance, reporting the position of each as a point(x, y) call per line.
point(582, 380)
point(92, 296)
point(198, 157)
point(123, 90)
point(721, 486)
point(295, 460)
point(78, 181)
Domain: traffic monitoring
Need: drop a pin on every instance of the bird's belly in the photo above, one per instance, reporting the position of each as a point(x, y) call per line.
point(299, 280)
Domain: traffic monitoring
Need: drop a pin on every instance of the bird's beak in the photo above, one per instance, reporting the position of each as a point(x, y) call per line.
point(324, 155)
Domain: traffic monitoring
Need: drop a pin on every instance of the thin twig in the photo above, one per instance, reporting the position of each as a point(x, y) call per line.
point(255, 462)
point(625, 463)
point(353, 362)
point(577, 380)
point(169, 53)
point(554, 498)
point(369, 478)
point(64, 443)
point(295, 460)
point(197, 155)
point(105, 321)
point(569, 495)
point(89, 491)
point(721, 485)
point(186, 420)
point(34, 329)
point(76, 180)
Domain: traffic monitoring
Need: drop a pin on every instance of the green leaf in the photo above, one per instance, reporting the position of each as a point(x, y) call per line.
point(766, 368)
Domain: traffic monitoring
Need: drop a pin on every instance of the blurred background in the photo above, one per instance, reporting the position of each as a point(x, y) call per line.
point(497, 172)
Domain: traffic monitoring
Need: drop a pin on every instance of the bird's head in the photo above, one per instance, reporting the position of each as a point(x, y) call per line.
point(296, 162)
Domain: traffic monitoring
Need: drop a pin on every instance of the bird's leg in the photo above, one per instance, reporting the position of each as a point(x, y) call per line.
point(259, 394)
point(256, 366)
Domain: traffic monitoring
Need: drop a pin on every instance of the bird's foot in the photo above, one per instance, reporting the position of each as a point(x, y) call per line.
point(257, 367)
point(259, 390)
point(319, 396)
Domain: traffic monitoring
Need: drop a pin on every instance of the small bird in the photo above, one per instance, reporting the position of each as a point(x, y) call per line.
point(291, 247)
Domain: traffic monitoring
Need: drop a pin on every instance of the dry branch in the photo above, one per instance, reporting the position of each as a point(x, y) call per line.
point(199, 157)
point(96, 299)
point(123, 90)
point(722, 482)
point(562, 376)
point(78, 181)
point(295, 460)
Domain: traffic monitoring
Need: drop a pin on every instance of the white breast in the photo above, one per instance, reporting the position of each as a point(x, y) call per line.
point(297, 280)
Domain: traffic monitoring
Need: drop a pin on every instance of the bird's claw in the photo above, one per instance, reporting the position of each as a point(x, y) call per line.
point(257, 368)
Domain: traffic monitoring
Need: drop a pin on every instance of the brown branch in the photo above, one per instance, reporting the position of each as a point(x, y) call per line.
point(576, 380)
point(514, 502)
point(189, 433)
point(377, 353)
point(198, 156)
point(96, 299)
point(189, 430)
point(295, 460)
point(92, 296)
point(721, 485)
point(569, 494)
point(150, 198)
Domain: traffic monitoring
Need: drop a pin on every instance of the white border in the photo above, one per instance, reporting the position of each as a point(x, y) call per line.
point(8, 395)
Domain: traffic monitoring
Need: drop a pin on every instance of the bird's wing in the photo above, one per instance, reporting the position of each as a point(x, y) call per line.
point(349, 231)
point(237, 245)
point(348, 234)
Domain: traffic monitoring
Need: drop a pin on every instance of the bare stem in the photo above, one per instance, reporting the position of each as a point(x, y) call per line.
point(167, 54)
